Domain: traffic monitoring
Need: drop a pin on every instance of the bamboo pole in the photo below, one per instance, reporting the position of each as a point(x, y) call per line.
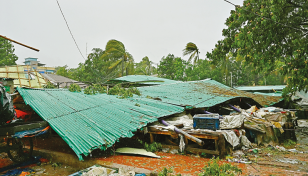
point(20, 43)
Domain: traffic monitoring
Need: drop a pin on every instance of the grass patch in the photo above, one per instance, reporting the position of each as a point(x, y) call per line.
point(289, 143)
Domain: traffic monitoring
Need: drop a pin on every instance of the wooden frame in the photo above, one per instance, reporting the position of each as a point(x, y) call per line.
point(218, 137)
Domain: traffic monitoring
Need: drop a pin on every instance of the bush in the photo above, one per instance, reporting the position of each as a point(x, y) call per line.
point(94, 89)
point(154, 147)
point(213, 168)
point(165, 172)
point(74, 88)
point(49, 85)
point(289, 143)
point(122, 92)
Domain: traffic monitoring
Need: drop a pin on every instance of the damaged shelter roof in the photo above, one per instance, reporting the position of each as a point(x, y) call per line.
point(87, 122)
point(62, 81)
point(143, 79)
point(203, 93)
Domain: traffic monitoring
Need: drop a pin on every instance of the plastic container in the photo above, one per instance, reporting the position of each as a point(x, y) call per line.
point(206, 121)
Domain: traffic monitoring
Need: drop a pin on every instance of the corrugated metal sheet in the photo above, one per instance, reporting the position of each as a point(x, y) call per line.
point(204, 93)
point(62, 81)
point(87, 122)
point(269, 94)
point(258, 88)
point(144, 79)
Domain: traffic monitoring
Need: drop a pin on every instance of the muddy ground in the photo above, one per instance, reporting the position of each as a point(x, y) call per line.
point(265, 160)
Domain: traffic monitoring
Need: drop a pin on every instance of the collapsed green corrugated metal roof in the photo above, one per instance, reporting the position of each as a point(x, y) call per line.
point(203, 93)
point(144, 79)
point(87, 122)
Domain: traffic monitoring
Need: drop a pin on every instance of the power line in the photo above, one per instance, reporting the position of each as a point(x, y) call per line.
point(70, 30)
point(267, 18)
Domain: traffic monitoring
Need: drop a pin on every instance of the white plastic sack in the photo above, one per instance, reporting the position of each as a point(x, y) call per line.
point(231, 137)
point(231, 122)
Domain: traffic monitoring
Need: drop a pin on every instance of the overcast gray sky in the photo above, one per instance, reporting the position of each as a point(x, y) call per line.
point(147, 28)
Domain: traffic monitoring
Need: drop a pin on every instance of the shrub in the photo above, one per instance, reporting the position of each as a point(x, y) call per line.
point(154, 147)
point(122, 92)
point(49, 85)
point(74, 88)
point(94, 89)
point(213, 168)
point(289, 143)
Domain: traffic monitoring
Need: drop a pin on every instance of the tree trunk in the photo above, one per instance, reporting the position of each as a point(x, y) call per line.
point(123, 67)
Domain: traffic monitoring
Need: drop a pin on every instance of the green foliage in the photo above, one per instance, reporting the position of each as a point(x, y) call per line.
point(165, 172)
point(49, 85)
point(213, 168)
point(144, 67)
point(192, 50)
point(289, 143)
point(171, 67)
point(63, 71)
point(134, 90)
point(122, 92)
point(176, 68)
point(153, 147)
point(74, 88)
point(263, 33)
point(121, 59)
point(7, 56)
point(94, 89)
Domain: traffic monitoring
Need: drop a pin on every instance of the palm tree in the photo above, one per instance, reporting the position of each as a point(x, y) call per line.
point(115, 52)
point(144, 67)
point(192, 50)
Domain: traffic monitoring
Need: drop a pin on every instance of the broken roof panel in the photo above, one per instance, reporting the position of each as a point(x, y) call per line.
point(144, 79)
point(203, 93)
point(62, 81)
point(260, 88)
point(87, 122)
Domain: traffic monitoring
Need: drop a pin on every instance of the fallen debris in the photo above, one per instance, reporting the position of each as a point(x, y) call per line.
point(95, 171)
point(135, 151)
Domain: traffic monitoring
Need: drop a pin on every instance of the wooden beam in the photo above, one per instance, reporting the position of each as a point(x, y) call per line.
point(20, 43)
point(202, 136)
point(197, 150)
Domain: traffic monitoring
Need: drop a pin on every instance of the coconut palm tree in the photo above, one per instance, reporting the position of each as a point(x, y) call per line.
point(192, 50)
point(144, 67)
point(115, 51)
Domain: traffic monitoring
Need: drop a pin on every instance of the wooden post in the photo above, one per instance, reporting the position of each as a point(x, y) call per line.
point(18, 75)
point(185, 140)
point(151, 138)
point(38, 80)
point(222, 146)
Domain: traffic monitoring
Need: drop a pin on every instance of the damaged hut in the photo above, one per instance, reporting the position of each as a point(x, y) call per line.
point(88, 122)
